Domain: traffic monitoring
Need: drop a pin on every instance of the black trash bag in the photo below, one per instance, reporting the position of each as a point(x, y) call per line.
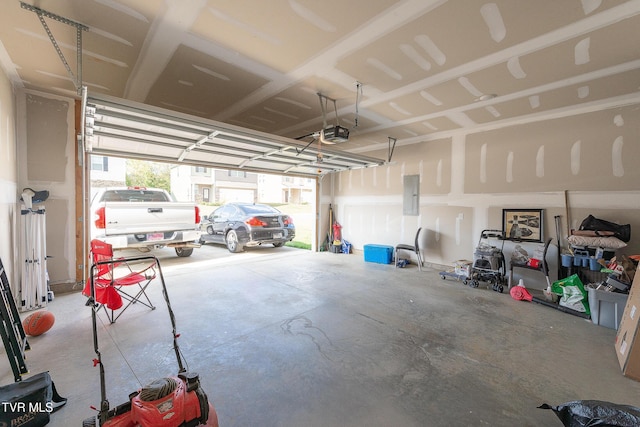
point(587, 413)
point(622, 232)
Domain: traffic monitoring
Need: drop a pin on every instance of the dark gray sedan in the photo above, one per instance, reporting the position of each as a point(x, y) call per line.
point(237, 225)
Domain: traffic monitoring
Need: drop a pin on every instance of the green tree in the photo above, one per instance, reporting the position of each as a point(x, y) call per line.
point(148, 174)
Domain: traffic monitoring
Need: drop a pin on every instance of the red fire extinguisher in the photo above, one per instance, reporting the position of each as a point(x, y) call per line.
point(336, 232)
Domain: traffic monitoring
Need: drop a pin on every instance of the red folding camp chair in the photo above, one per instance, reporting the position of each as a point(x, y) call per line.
point(113, 278)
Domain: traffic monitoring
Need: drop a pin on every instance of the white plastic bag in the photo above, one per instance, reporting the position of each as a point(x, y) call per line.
point(573, 294)
point(519, 255)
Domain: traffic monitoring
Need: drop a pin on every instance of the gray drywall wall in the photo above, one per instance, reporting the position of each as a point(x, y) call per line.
point(46, 162)
point(590, 152)
point(467, 180)
point(8, 178)
point(47, 138)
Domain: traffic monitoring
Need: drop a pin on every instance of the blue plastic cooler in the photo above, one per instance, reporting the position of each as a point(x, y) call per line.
point(381, 254)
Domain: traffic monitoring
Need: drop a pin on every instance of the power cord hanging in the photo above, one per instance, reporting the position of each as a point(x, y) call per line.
point(358, 97)
point(392, 146)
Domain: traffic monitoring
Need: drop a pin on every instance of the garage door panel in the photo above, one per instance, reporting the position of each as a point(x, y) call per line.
point(122, 128)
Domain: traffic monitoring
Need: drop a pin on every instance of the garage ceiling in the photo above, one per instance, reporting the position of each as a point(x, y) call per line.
point(411, 70)
point(115, 127)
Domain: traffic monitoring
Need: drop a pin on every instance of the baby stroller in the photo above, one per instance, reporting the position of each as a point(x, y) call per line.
point(488, 262)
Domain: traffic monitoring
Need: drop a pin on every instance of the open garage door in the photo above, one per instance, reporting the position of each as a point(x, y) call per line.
point(120, 128)
point(116, 127)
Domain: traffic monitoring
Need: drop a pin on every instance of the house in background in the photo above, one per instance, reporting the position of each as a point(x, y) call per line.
point(235, 186)
point(192, 183)
point(107, 172)
point(285, 189)
point(206, 185)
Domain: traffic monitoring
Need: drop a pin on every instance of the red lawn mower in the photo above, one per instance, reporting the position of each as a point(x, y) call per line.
point(175, 401)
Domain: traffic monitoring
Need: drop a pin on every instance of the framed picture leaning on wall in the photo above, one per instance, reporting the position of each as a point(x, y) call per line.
point(523, 224)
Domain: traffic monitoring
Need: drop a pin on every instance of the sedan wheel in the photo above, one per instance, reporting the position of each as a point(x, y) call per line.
point(232, 242)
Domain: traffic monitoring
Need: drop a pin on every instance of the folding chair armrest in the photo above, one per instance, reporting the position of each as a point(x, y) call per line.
point(147, 270)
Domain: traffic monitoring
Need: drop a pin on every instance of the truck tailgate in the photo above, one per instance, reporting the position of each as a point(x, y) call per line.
point(148, 217)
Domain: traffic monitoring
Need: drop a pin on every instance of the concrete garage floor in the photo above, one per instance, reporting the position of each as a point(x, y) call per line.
point(286, 337)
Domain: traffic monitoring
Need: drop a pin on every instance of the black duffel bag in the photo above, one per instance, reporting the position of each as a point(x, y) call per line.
point(29, 403)
point(622, 232)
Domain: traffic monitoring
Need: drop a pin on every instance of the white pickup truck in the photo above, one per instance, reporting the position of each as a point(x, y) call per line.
point(144, 218)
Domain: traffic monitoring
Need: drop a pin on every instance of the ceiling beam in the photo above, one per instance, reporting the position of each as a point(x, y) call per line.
point(163, 39)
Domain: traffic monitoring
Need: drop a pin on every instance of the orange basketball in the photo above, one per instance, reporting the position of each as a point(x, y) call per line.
point(38, 323)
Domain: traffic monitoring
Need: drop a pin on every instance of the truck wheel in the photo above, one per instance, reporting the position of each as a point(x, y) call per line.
point(184, 252)
point(233, 244)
